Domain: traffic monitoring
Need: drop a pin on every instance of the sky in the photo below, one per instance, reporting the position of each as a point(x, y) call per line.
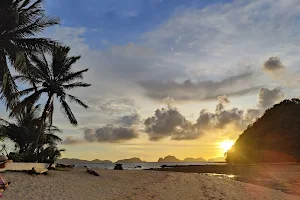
point(174, 77)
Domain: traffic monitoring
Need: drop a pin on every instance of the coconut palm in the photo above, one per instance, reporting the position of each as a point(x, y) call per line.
point(24, 132)
point(50, 154)
point(20, 22)
point(53, 79)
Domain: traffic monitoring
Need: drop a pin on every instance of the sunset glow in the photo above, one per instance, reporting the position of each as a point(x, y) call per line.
point(226, 145)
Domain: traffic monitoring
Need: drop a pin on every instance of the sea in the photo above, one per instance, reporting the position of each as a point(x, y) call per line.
point(143, 165)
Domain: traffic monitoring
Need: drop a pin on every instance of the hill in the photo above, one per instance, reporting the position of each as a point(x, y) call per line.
point(168, 159)
point(69, 161)
point(174, 159)
point(194, 160)
point(130, 160)
point(272, 138)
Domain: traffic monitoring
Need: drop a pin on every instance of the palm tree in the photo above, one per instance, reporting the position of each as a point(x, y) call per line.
point(50, 155)
point(25, 131)
point(20, 22)
point(53, 79)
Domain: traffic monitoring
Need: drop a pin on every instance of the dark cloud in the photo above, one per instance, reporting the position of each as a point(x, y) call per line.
point(273, 64)
point(221, 117)
point(238, 117)
point(170, 123)
point(204, 120)
point(188, 90)
point(129, 120)
point(231, 116)
point(268, 98)
point(111, 134)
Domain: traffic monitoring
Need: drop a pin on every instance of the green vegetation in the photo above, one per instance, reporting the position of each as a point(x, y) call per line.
point(25, 53)
point(272, 138)
point(21, 21)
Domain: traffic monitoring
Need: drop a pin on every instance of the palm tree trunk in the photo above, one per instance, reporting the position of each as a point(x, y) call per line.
point(43, 119)
point(47, 106)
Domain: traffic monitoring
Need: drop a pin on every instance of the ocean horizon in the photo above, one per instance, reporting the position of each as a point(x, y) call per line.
point(141, 165)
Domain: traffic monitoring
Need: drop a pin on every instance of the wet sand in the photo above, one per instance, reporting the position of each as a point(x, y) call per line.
point(283, 177)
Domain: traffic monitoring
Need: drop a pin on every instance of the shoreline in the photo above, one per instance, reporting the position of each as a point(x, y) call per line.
point(282, 177)
point(129, 184)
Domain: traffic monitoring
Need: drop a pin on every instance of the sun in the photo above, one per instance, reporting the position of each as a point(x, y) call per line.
point(226, 145)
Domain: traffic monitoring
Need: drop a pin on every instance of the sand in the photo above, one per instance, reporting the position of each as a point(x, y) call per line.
point(39, 167)
point(140, 185)
point(283, 177)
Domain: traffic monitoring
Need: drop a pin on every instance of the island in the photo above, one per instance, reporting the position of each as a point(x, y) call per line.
point(174, 159)
point(130, 160)
point(72, 161)
point(200, 159)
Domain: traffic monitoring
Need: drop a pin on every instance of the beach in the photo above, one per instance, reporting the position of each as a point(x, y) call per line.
point(129, 184)
point(284, 177)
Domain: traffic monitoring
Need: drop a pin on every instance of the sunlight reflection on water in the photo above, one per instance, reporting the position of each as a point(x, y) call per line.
point(232, 176)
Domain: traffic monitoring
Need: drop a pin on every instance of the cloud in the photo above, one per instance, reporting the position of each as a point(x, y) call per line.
point(251, 115)
point(70, 140)
point(240, 118)
point(223, 99)
point(110, 134)
point(234, 40)
point(273, 64)
point(285, 76)
point(113, 106)
point(214, 45)
point(170, 123)
point(168, 101)
point(129, 120)
point(221, 117)
point(268, 98)
point(233, 86)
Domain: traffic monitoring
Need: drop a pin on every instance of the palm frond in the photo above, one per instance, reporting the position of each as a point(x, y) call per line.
point(51, 138)
point(73, 76)
point(24, 4)
point(68, 112)
point(39, 25)
point(78, 101)
point(68, 64)
point(28, 100)
point(23, 92)
point(75, 85)
point(34, 44)
point(36, 5)
point(7, 84)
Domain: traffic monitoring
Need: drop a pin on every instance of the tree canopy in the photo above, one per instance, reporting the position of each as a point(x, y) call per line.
point(20, 22)
point(24, 131)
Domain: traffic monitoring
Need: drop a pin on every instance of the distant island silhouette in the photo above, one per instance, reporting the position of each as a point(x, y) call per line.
point(273, 138)
point(130, 160)
point(168, 158)
point(174, 159)
point(69, 161)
